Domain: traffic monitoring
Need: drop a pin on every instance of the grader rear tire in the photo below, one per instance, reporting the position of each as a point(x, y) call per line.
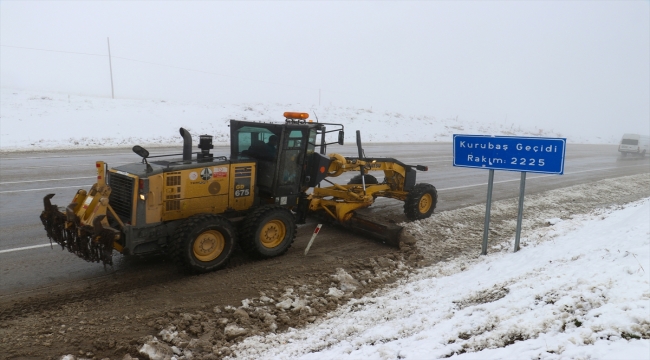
point(203, 243)
point(420, 202)
point(268, 232)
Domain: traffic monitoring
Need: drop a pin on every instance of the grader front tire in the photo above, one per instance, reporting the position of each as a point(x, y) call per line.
point(420, 202)
point(268, 232)
point(203, 243)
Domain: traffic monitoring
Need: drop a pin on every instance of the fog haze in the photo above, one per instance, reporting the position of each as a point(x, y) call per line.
point(549, 64)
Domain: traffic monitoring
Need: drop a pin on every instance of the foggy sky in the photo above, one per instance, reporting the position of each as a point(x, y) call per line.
point(547, 64)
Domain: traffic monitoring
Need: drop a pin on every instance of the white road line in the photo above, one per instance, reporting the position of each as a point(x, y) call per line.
point(50, 166)
point(452, 188)
point(47, 166)
point(24, 248)
point(51, 188)
point(411, 159)
point(31, 181)
point(17, 166)
point(533, 177)
point(496, 182)
point(64, 156)
point(433, 162)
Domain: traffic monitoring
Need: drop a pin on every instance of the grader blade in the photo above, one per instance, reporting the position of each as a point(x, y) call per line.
point(389, 234)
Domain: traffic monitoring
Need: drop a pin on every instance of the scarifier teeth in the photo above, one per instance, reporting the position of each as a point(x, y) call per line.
point(93, 244)
point(46, 201)
point(69, 212)
point(97, 225)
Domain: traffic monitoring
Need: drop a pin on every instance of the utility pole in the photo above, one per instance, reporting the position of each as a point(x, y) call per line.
point(110, 67)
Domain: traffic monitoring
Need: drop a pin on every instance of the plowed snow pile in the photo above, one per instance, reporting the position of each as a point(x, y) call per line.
point(579, 289)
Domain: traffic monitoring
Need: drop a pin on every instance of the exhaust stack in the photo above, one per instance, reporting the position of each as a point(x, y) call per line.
point(187, 144)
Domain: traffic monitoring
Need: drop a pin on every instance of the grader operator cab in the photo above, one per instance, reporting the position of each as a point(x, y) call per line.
point(197, 208)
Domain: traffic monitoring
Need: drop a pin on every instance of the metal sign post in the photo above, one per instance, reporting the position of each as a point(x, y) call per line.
point(488, 205)
point(522, 187)
point(511, 153)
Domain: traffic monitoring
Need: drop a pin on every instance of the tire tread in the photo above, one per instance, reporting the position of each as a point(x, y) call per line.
point(411, 204)
point(251, 224)
point(178, 243)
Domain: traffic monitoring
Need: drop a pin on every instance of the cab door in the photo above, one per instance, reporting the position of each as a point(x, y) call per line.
point(291, 160)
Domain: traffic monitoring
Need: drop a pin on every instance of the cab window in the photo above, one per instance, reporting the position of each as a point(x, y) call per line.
point(311, 144)
point(295, 139)
point(251, 140)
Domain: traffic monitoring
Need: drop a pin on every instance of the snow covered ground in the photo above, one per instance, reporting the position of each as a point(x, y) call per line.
point(41, 120)
point(579, 290)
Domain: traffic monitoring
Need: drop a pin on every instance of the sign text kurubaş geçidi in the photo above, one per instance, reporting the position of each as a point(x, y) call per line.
point(513, 153)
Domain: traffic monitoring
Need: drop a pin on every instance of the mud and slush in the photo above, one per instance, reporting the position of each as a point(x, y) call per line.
point(205, 317)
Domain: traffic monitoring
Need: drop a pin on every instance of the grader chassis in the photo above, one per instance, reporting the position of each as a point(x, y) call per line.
point(198, 208)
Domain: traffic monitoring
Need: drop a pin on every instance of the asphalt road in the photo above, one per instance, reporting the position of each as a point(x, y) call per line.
point(27, 263)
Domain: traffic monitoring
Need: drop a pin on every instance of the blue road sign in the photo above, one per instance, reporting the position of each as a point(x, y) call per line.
point(513, 153)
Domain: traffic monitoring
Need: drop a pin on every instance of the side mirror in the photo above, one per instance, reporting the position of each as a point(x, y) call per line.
point(341, 137)
point(144, 154)
point(141, 151)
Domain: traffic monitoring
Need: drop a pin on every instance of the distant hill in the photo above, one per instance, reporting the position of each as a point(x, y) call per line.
point(46, 120)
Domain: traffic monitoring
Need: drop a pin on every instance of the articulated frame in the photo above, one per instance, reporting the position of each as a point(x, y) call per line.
point(340, 201)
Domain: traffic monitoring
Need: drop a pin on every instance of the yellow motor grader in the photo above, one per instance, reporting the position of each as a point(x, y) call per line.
point(198, 206)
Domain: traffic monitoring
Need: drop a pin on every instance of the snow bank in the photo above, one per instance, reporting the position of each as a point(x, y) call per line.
point(39, 120)
point(578, 290)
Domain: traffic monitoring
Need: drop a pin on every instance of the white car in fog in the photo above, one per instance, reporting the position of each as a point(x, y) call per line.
point(634, 144)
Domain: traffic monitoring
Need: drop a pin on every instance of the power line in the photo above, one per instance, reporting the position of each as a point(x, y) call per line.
point(213, 73)
point(165, 65)
point(59, 51)
point(186, 69)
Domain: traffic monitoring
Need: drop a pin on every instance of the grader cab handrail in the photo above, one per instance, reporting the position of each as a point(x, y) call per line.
point(222, 158)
